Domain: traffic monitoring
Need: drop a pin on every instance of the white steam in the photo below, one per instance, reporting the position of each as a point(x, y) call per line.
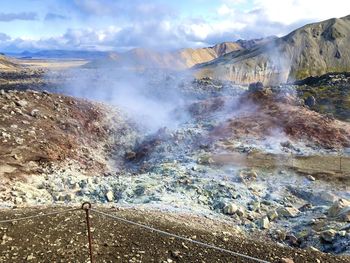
point(149, 99)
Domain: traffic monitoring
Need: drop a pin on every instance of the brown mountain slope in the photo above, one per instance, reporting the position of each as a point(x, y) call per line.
point(310, 50)
point(7, 64)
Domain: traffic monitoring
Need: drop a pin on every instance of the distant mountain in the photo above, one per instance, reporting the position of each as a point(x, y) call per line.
point(313, 49)
point(61, 54)
point(141, 58)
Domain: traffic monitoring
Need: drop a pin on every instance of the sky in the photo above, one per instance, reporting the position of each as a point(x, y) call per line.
point(120, 25)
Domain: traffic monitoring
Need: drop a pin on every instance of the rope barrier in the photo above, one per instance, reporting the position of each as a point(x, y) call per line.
point(39, 215)
point(180, 237)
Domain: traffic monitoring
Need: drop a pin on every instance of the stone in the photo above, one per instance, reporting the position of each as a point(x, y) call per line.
point(110, 196)
point(328, 235)
point(34, 113)
point(249, 175)
point(19, 140)
point(310, 177)
point(241, 212)
point(264, 223)
point(286, 260)
point(312, 248)
point(272, 215)
point(69, 197)
point(230, 209)
point(30, 257)
point(346, 227)
point(22, 103)
point(292, 239)
point(205, 159)
point(255, 206)
point(310, 101)
point(176, 253)
point(280, 235)
point(18, 200)
point(340, 210)
point(287, 211)
point(256, 86)
point(342, 233)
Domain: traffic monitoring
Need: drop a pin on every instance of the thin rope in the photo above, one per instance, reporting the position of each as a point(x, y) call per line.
point(38, 215)
point(180, 237)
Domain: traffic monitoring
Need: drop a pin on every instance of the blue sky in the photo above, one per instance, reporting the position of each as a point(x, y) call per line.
point(160, 24)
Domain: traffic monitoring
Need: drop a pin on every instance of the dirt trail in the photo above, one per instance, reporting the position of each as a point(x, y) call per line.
point(61, 238)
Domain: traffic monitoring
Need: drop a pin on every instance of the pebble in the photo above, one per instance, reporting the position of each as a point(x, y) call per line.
point(286, 260)
point(310, 177)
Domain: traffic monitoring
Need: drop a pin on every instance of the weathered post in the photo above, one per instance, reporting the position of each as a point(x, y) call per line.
point(87, 206)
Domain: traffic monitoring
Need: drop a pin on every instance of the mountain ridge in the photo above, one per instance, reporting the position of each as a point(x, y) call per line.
point(142, 58)
point(313, 49)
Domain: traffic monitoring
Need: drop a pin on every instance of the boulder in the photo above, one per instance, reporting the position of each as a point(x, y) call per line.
point(241, 212)
point(272, 215)
point(310, 101)
point(340, 210)
point(264, 223)
point(230, 209)
point(34, 113)
point(22, 103)
point(328, 235)
point(287, 211)
point(256, 86)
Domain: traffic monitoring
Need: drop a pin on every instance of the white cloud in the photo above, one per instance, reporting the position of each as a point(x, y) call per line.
point(224, 10)
point(151, 24)
point(292, 11)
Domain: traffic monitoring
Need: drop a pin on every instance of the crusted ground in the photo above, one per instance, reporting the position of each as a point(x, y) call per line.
point(262, 114)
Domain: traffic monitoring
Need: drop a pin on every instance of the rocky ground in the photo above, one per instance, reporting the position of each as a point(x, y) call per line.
point(40, 130)
point(258, 159)
point(331, 93)
point(62, 238)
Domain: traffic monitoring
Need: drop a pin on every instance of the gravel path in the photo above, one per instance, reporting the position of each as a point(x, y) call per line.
point(62, 238)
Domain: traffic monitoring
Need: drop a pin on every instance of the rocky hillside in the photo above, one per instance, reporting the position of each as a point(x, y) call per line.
point(313, 49)
point(39, 131)
point(329, 94)
point(6, 64)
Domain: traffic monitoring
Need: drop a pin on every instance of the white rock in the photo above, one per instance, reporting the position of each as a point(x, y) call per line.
point(110, 196)
point(264, 223)
point(230, 209)
point(288, 211)
point(310, 177)
point(340, 210)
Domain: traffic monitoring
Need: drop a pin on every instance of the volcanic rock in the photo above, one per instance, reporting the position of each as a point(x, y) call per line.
point(328, 235)
point(264, 223)
point(287, 211)
point(340, 210)
point(230, 209)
